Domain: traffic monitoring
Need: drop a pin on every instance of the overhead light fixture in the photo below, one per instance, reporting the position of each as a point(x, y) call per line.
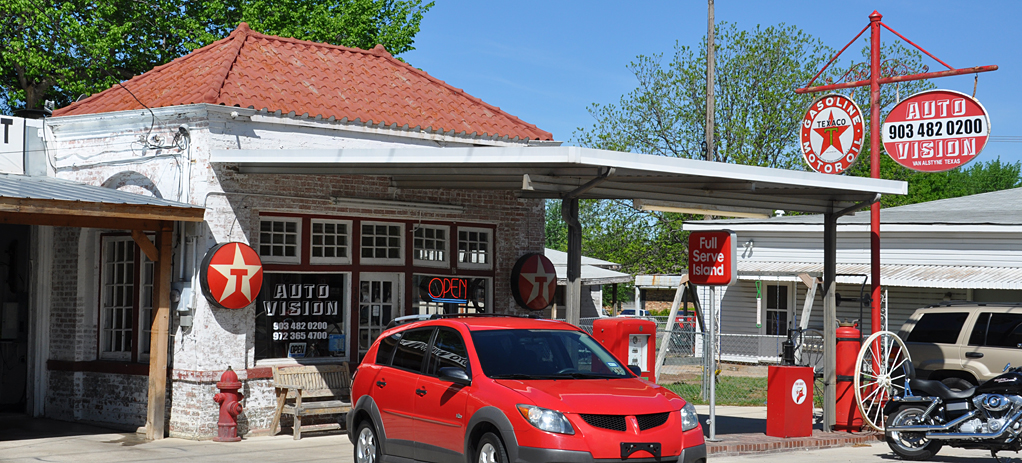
point(703, 209)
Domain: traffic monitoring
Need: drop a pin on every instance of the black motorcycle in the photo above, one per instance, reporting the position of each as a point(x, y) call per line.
point(930, 415)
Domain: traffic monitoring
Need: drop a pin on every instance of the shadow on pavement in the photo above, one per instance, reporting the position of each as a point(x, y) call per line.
point(739, 425)
point(16, 426)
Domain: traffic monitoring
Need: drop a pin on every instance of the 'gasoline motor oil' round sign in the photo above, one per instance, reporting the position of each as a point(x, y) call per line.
point(936, 130)
point(832, 134)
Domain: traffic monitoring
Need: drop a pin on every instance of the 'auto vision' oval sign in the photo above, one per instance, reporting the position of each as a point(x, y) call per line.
point(936, 130)
point(831, 134)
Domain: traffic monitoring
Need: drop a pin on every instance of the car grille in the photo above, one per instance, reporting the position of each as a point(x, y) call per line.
point(652, 421)
point(612, 422)
point(617, 422)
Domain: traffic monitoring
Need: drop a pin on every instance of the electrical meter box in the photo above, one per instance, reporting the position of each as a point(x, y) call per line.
point(630, 339)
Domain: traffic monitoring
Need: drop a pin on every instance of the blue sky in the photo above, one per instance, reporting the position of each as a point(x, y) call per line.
point(546, 61)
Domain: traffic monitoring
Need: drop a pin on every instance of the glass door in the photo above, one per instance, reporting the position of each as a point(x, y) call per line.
point(379, 301)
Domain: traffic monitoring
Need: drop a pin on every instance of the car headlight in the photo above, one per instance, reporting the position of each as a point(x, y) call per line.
point(547, 420)
point(689, 417)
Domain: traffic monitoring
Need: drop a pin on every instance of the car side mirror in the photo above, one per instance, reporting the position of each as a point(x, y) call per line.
point(635, 369)
point(455, 375)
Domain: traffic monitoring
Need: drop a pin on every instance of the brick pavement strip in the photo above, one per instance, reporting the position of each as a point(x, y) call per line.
point(740, 444)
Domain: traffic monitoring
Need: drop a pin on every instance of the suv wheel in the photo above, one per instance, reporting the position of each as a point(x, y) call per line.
point(957, 384)
point(490, 450)
point(367, 447)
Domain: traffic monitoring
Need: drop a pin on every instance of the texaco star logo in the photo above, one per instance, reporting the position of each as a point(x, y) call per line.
point(832, 134)
point(231, 275)
point(533, 281)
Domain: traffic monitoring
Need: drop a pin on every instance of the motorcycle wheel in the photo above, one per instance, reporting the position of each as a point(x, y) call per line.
point(910, 445)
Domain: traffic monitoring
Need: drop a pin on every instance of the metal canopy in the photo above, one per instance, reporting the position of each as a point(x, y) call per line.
point(584, 173)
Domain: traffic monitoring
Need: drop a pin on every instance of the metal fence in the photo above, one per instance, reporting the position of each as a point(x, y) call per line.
point(740, 368)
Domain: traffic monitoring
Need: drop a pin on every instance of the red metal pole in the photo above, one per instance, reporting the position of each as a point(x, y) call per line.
point(874, 165)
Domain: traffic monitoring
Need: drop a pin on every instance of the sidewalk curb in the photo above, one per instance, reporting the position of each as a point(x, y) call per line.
point(743, 444)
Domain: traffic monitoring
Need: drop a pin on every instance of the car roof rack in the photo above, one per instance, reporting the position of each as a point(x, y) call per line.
point(435, 316)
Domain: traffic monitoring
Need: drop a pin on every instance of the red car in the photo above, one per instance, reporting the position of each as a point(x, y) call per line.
point(511, 389)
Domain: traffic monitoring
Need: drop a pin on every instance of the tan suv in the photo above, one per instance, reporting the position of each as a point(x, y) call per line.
point(963, 344)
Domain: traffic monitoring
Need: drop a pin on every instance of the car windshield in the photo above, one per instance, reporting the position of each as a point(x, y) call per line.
point(544, 354)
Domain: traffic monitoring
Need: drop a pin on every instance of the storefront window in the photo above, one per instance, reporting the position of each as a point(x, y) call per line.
point(279, 240)
point(451, 294)
point(474, 246)
point(382, 243)
point(430, 245)
point(126, 302)
point(301, 315)
point(330, 241)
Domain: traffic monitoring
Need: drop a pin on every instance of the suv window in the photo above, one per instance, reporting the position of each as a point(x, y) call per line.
point(997, 330)
point(938, 327)
point(411, 349)
point(448, 351)
point(386, 350)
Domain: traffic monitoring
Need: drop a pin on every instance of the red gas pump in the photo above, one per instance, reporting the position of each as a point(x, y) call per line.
point(849, 340)
point(632, 340)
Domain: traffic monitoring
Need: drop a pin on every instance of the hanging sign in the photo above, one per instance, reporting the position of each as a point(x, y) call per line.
point(443, 289)
point(832, 134)
point(533, 281)
point(231, 275)
point(936, 130)
point(713, 258)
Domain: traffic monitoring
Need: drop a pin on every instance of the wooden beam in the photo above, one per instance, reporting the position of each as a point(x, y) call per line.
point(101, 209)
point(147, 246)
point(154, 427)
point(69, 220)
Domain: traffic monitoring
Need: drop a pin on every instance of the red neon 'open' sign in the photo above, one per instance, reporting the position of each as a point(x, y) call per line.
point(451, 290)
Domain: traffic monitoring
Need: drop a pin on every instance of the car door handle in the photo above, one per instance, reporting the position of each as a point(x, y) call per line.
point(974, 355)
point(381, 383)
point(420, 392)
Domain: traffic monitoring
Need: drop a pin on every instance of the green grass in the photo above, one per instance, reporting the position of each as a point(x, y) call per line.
point(732, 390)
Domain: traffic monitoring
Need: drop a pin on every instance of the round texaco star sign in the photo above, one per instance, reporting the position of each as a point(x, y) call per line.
point(231, 275)
point(832, 133)
point(533, 281)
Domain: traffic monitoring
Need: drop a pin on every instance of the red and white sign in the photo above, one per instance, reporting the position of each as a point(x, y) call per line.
point(936, 130)
point(533, 281)
point(799, 391)
point(832, 134)
point(713, 258)
point(231, 275)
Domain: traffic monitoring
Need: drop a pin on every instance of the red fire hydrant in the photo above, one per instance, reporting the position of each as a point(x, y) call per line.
point(230, 407)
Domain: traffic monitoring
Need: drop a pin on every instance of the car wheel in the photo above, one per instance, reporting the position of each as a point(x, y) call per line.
point(367, 447)
point(957, 384)
point(490, 449)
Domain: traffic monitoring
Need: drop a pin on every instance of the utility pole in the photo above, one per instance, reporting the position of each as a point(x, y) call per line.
point(710, 52)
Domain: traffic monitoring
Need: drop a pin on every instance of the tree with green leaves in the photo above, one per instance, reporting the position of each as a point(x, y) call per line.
point(62, 49)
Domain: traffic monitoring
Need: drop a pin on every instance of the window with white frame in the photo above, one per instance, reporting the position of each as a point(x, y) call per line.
point(475, 248)
point(382, 243)
point(429, 245)
point(331, 242)
point(279, 240)
point(779, 310)
point(126, 300)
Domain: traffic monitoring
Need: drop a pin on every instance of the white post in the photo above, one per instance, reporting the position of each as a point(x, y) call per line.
point(711, 349)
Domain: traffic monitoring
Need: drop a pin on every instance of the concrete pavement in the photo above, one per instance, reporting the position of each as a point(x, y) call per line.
point(741, 430)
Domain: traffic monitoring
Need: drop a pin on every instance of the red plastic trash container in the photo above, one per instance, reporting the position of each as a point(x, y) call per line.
point(789, 401)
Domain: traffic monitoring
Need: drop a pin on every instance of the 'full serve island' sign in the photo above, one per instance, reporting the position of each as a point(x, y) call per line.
point(712, 258)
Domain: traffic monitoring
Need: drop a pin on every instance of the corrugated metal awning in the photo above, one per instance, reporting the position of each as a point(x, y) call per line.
point(52, 201)
point(912, 276)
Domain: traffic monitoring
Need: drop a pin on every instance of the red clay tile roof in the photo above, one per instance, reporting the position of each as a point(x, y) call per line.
point(253, 70)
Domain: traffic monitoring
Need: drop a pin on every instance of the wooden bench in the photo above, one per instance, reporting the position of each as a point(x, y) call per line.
point(329, 387)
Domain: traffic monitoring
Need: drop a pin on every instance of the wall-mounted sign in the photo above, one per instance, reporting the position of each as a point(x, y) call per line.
point(936, 130)
point(231, 275)
point(832, 134)
point(533, 281)
point(12, 145)
point(713, 258)
point(448, 290)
